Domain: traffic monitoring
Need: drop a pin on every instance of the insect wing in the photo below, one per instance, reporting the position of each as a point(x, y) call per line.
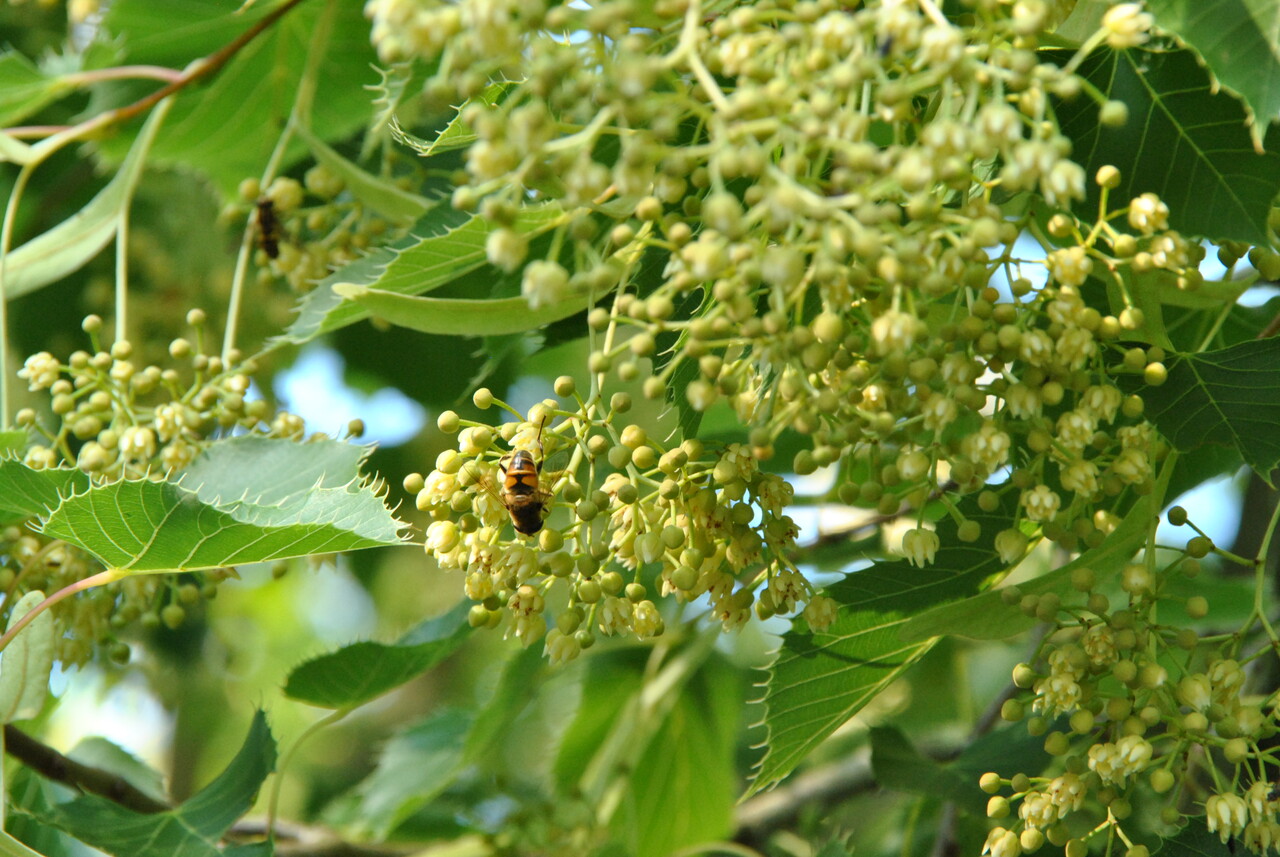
point(482, 480)
point(554, 468)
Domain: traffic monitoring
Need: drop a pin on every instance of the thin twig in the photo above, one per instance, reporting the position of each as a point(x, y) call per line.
point(202, 68)
point(51, 764)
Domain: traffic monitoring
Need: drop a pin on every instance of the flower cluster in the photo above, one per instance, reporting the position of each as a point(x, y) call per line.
point(788, 210)
point(113, 420)
point(860, 289)
point(303, 230)
point(624, 522)
point(1147, 703)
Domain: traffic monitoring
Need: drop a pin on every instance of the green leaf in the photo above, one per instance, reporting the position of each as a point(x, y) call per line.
point(1006, 751)
point(897, 764)
point(985, 616)
point(26, 662)
point(460, 316)
point(268, 470)
point(360, 672)
point(442, 247)
point(26, 493)
point(24, 89)
point(457, 134)
point(425, 759)
point(1238, 41)
point(417, 764)
point(66, 247)
point(1231, 396)
point(1183, 141)
point(631, 719)
point(228, 127)
point(819, 681)
point(378, 194)
point(190, 830)
point(249, 500)
point(1195, 840)
point(102, 754)
point(654, 818)
point(516, 689)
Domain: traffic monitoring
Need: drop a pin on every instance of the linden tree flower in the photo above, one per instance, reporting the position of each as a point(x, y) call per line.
point(1226, 815)
point(1002, 843)
point(544, 283)
point(1041, 503)
point(1127, 26)
point(1193, 691)
point(820, 612)
point(1067, 792)
point(920, 546)
point(442, 536)
point(1057, 693)
point(561, 647)
point(895, 331)
point(645, 620)
point(1114, 763)
point(40, 370)
point(1038, 810)
point(1148, 214)
point(1011, 545)
point(138, 443)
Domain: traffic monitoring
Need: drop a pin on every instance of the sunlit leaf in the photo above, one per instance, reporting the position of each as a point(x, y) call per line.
point(24, 89)
point(442, 247)
point(267, 470)
point(362, 671)
point(415, 765)
point(457, 134)
point(230, 130)
point(1240, 42)
point(460, 316)
point(25, 492)
point(1183, 141)
point(631, 720)
point(248, 500)
point(26, 662)
point(821, 680)
point(66, 247)
point(190, 830)
point(666, 783)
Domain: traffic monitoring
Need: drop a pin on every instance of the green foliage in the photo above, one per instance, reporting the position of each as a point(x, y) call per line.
point(1183, 140)
point(363, 671)
point(1227, 397)
point(194, 828)
point(681, 283)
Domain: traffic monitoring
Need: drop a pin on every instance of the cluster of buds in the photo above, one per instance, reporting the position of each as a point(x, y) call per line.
point(628, 522)
point(304, 230)
point(1148, 705)
point(822, 278)
point(117, 420)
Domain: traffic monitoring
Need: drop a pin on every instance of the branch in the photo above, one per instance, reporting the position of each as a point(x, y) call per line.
point(203, 67)
point(293, 840)
point(51, 764)
point(194, 72)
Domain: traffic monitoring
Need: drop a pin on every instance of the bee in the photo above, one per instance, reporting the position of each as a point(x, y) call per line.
point(268, 228)
point(525, 486)
point(527, 501)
